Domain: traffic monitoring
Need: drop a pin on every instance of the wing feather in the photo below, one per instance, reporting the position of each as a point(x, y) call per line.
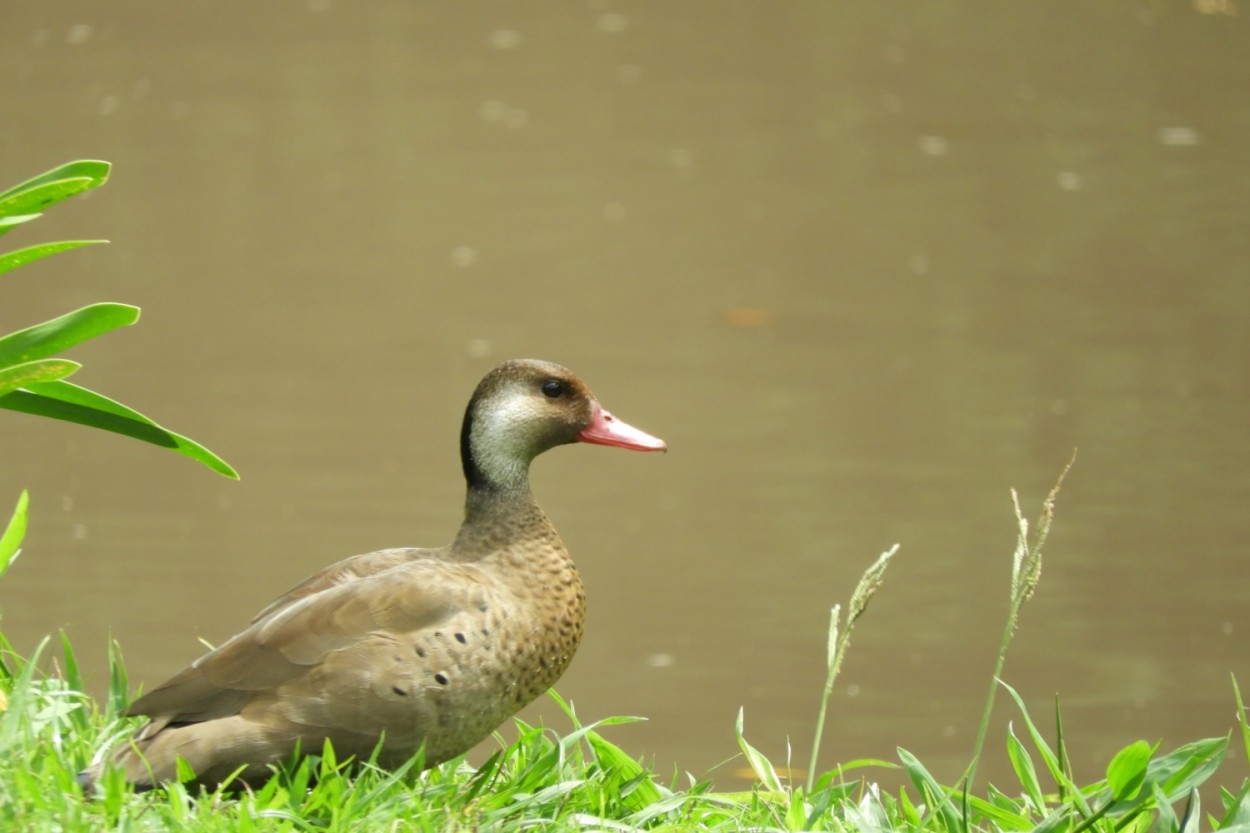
point(333, 611)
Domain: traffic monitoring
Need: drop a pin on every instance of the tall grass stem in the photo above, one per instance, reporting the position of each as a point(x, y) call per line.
point(1026, 572)
point(839, 638)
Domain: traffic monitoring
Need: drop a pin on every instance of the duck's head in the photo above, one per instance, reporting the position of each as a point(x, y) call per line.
point(524, 407)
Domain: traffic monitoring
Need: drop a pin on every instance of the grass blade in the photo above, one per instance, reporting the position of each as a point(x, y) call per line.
point(910, 814)
point(760, 765)
point(1237, 809)
point(1166, 816)
point(935, 795)
point(1043, 748)
point(1241, 716)
point(73, 677)
point(1006, 818)
point(1022, 763)
point(1192, 814)
point(635, 787)
point(14, 719)
point(1188, 766)
point(119, 683)
point(14, 533)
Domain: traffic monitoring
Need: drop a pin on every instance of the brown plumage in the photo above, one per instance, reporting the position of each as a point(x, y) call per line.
point(433, 646)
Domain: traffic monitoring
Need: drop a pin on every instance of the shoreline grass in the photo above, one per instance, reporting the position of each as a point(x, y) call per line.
point(579, 780)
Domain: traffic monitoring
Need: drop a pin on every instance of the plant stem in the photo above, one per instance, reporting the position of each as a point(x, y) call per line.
point(984, 728)
point(836, 645)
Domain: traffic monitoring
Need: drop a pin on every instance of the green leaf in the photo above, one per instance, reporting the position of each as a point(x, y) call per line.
point(935, 795)
point(1241, 715)
point(1004, 816)
point(183, 770)
point(21, 691)
point(55, 185)
point(32, 200)
point(1127, 771)
point(795, 818)
point(1025, 771)
point(1237, 809)
point(760, 765)
point(1165, 816)
point(66, 401)
point(119, 682)
point(1178, 772)
point(1059, 820)
point(14, 532)
point(910, 814)
point(1192, 814)
point(24, 202)
point(1048, 756)
point(21, 257)
point(625, 770)
point(64, 332)
point(1188, 766)
point(40, 370)
point(7, 223)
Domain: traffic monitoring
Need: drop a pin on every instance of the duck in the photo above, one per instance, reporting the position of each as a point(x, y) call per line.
point(404, 650)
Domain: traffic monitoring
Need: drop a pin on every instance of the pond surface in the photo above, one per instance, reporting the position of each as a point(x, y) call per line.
point(865, 268)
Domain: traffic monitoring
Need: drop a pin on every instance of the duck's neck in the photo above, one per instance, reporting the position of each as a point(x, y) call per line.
point(495, 520)
point(499, 509)
point(487, 505)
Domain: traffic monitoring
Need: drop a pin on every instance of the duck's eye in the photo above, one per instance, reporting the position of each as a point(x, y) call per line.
point(553, 389)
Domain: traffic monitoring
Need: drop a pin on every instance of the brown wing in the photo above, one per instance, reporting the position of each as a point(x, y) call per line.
point(347, 570)
point(298, 634)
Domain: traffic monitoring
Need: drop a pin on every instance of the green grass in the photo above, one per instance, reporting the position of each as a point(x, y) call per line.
point(577, 779)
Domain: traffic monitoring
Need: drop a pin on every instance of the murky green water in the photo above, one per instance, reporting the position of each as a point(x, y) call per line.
point(865, 267)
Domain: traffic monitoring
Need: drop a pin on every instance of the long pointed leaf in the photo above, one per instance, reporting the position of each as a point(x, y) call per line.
point(12, 719)
point(1237, 809)
point(119, 682)
point(1192, 814)
point(9, 222)
point(24, 202)
point(1022, 763)
point(1241, 714)
point(40, 370)
point(1178, 773)
point(21, 257)
point(1188, 766)
point(66, 401)
point(1165, 816)
point(1004, 817)
point(760, 765)
point(93, 171)
point(64, 332)
point(14, 532)
point(33, 200)
point(625, 770)
point(935, 795)
point(1043, 748)
point(910, 814)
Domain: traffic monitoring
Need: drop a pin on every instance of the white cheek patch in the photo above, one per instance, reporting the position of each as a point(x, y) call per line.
point(501, 448)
